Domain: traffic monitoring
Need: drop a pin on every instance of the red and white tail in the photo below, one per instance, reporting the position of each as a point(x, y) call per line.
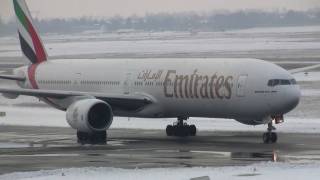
point(31, 44)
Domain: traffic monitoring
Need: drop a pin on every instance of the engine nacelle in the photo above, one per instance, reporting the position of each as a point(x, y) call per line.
point(10, 96)
point(89, 115)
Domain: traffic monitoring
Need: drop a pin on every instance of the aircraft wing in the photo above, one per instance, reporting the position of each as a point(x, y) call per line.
point(127, 102)
point(12, 77)
point(304, 69)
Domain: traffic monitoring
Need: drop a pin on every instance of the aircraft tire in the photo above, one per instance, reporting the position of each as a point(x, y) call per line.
point(82, 137)
point(192, 130)
point(99, 137)
point(274, 137)
point(170, 130)
point(270, 137)
point(181, 131)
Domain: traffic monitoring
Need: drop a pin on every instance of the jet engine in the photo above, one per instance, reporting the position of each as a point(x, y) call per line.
point(10, 96)
point(89, 115)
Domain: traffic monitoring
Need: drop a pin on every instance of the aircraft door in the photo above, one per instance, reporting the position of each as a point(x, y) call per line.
point(127, 83)
point(77, 80)
point(241, 85)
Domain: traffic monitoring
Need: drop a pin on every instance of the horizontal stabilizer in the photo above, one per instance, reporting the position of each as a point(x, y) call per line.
point(12, 77)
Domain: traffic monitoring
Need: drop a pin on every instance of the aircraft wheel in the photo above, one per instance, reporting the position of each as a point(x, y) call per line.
point(270, 137)
point(99, 137)
point(92, 138)
point(170, 130)
point(181, 131)
point(274, 137)
point(192, 130)
point(82, 137)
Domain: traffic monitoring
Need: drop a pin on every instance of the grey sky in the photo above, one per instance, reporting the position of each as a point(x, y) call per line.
point(106, 8)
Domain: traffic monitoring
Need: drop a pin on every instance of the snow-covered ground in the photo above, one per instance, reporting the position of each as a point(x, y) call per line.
point(173, 42)
point(261, 171)
point(169, 46)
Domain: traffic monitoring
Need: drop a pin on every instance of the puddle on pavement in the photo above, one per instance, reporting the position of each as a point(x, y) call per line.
point(255, 156)
point(249, 174)
point(95, 154)
point(242, 156)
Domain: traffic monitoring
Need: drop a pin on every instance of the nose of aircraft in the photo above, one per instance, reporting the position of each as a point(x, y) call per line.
point(293, 95)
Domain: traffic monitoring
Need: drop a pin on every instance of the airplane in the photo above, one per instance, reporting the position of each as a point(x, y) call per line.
point(93, 91)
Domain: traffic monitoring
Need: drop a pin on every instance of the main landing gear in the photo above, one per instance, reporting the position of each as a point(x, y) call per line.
point(99, 137)
point(270, 137)
point(181, 128)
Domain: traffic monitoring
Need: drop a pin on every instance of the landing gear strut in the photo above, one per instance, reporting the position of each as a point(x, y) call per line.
point(270, 137)
point(181, 129)
point(99, 137)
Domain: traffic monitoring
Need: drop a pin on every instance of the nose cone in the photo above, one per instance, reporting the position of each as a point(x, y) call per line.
point(292, 97)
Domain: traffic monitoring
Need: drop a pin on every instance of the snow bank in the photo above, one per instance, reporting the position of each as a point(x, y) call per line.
point(262, 171)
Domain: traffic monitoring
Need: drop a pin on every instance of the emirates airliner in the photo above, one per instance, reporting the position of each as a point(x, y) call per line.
point(93, 91)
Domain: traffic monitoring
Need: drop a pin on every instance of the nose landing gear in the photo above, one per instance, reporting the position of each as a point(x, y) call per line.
point(270, 137)
point(181, 129)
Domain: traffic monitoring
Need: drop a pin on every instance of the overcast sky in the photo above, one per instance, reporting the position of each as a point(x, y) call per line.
point(105, 8)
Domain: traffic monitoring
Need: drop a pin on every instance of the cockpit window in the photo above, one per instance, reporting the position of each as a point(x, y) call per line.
point(276, 82)
point(293, 81)
point(284, 82)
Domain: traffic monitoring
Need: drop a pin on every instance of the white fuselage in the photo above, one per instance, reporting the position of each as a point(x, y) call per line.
point(224, 88)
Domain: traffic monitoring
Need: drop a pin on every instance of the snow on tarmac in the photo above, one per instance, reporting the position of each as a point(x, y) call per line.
point(261, 171)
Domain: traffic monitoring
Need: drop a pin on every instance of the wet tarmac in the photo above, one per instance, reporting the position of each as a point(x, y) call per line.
point(43, 148)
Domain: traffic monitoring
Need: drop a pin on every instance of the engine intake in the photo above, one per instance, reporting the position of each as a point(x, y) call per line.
point(89, 115)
